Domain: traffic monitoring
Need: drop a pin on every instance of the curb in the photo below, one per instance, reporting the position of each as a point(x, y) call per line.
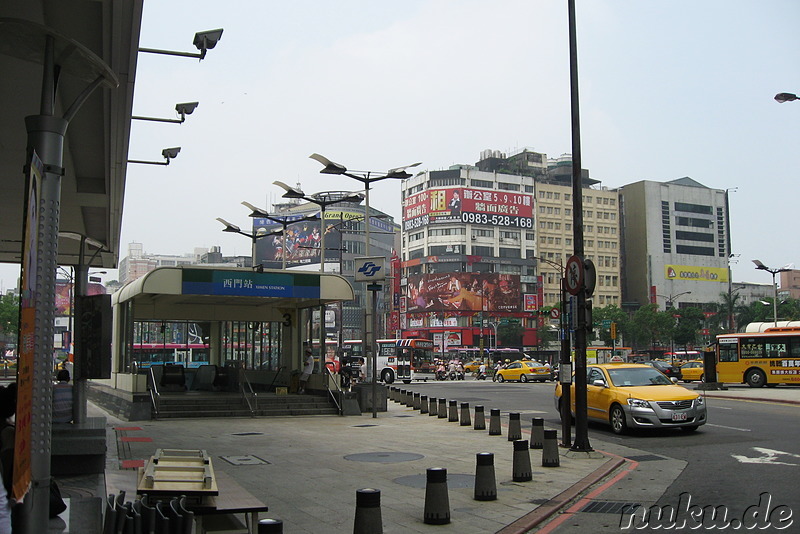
point(543, 512)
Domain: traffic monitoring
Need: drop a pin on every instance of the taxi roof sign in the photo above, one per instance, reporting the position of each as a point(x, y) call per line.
point(617, 359)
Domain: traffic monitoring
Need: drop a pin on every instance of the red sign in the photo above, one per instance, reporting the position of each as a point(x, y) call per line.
point(463, 291)
point(471, 206)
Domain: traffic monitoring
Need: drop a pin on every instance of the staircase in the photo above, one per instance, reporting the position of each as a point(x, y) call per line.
point(206, 404)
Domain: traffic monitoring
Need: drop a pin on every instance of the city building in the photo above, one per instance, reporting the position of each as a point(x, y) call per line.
point(138, 263)
point(789, 284)
point(345, 240)
point(676, 243)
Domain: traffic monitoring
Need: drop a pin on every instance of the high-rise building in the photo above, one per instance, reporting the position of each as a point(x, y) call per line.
point(676, 243)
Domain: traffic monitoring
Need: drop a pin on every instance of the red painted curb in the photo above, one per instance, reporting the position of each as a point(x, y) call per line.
point(545, 511)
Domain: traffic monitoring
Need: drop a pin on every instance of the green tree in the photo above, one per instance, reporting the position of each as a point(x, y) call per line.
point(649, 327)
point(510, 334)
point(689, 324)
point(611, 313)
point(9, 317)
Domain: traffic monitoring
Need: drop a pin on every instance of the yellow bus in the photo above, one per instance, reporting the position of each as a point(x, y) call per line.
point(768, 358)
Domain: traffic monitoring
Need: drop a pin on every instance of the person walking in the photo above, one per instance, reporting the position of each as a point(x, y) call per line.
point(307, 370)
point(62, 398)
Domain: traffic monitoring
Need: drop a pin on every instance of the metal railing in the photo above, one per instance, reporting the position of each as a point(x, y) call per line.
point(155, 396)
point(332, 378)
point(248, 393)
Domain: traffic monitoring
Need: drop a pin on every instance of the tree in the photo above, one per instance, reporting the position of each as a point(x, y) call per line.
point(688, 325)
point(510, 334)
point(9, 317)
point(649, 327)
point(609, 313)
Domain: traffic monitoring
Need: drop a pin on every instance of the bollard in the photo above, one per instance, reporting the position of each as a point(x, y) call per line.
point(437, 503)
point(465, 420)
point(514, 430)
point(395, 390)
point(407, 398)
point(550, 456)
point(270, 526)
point(442, 408)
point(423, 404)
point(494, 422)
point(452, 415)
point(485, 484)
point(368, 512)
point(415, 403)
point(391, 393)
point(480, 421)
point(537, 433)
point(522, 462)
point(432, 408)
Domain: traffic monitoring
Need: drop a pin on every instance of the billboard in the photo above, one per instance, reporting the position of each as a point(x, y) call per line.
point(491, 292)
point(301, 242)
point(696, 274)
point(507, 209)
point(65, 292)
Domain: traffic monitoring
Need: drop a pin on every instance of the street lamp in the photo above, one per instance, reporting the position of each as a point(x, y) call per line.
point(761, 267)
point(232, 228)
point(670, 300)
point(365, 177)
point(785, 97)
point(283, 221)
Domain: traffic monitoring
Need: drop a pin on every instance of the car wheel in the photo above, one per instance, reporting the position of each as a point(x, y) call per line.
point(687, 381)
point(523, 378)
point(771, 385)
point(702, 378)
point(387, 376)
point(688, 429)
point(500, 378)
point(617, 420)
point(755, 378)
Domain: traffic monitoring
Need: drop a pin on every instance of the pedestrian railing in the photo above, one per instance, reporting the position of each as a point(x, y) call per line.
point(248, 393)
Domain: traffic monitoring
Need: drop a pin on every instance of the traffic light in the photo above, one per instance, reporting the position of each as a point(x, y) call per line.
point(613, 330)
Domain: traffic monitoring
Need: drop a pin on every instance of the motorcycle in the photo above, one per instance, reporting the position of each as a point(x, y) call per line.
point(441, 375)
point(480, 376)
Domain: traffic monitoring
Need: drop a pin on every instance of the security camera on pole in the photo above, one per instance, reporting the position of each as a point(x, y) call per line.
point(373, 271)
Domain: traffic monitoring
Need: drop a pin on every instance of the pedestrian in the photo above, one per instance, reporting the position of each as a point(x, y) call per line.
point(62, 398)
point(8, 408)
point(307, 370)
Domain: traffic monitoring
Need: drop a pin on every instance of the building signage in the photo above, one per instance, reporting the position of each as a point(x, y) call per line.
point(249, 284)
point(698, 274)
point(463, 291)
point(466, 205)
point(530, 303)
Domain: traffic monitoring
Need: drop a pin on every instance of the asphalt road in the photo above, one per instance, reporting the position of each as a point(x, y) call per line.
point(747, 449)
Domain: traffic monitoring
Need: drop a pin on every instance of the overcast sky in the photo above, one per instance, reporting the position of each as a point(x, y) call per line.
point(667, 89)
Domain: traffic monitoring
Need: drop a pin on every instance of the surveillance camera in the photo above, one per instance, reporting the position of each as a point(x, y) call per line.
point(186, 108)
point(171, 153)
point(208, 39)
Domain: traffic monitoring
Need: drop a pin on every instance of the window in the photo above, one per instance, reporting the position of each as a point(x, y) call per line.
point(509, 252)
point(481, 183)
point(693, 208)
point(557, 196)
point(529, 189)
point(417, 236)
point(697, 251)
point(482, 251)
point(503, 186)
point(514, 236)
point(549, 194)
point(567, 197)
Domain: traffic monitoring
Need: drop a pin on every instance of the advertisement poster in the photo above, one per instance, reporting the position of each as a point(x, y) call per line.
point(463, 291)
point(507, 209)
point(531, 302)
point(301, 243)
point(65, 292)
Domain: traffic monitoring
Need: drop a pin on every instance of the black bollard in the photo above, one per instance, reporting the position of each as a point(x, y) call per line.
point(537, 433)
point(407, 398)
point(494, 422)
point(270, 526)
point(550, 456)
point(522, 462)
point(415, 403)
point(423, 404)
point(432, 410)
point(514, 430)
point(485, 484)
point(452, 415)
point(465, 420)
point(442, 408)
point(437, 502)
point(368, 512)
point(480, 421)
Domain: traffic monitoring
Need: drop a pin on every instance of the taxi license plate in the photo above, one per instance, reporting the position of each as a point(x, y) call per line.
point(679, 417)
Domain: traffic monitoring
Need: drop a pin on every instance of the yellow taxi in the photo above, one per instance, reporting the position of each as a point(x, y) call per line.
point(473, 366)
point(691, 371)
point(630, 395)
point(523, 371)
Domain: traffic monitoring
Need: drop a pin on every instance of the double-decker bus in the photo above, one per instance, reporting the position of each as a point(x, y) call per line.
point(398, 359)
point(768, 358)
point(187, 354)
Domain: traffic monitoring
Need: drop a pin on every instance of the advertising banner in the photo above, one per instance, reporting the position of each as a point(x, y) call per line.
point(530, 303)
point(696, 274)
point(506, 209)
point(463, 291)
point(301, 242)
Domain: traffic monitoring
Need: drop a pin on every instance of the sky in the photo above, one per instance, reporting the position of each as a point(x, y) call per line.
point(667, 89)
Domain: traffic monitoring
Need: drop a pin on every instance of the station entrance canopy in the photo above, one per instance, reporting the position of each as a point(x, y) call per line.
point(211, 294)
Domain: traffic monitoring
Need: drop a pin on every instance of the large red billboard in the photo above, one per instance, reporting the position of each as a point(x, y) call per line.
point(492, 292)
point(468, 205)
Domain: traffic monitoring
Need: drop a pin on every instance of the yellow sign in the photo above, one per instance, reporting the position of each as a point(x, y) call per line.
point(697, 274)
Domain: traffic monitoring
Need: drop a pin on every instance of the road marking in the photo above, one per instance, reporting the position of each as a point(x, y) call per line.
point(768, 456)
point(730, 427)
point(722, 408)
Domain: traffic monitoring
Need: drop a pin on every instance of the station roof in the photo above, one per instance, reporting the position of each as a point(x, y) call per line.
point(236, 294)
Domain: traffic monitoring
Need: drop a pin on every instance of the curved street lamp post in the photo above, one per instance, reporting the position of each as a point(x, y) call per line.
point(761, 267)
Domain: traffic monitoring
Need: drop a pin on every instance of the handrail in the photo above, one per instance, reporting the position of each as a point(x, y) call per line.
point(253, 394)
point(274, 378)
point(155, 396)
point(328, 387)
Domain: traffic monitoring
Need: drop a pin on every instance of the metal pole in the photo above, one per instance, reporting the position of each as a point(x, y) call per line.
point(374, 355)
point(581, 420)
point(775, 299)
point(563, 369)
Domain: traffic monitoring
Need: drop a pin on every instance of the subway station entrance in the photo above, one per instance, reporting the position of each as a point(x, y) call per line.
point(206, 332)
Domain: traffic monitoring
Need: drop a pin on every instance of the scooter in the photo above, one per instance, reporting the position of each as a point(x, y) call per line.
point(480, 376)
point(441, 375)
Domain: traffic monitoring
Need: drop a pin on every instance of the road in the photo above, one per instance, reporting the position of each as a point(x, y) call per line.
point(747, 448)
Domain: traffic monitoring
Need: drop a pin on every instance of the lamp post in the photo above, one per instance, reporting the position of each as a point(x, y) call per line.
point(785, 97)
point(232, 228)
point(761, 267)
point(564, 369)
point(283, 221)
point(670, 299)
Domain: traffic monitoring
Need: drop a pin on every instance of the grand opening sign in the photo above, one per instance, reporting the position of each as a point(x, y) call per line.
point(472, 206)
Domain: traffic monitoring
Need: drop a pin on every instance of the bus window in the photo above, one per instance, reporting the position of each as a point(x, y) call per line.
point(728, 352)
